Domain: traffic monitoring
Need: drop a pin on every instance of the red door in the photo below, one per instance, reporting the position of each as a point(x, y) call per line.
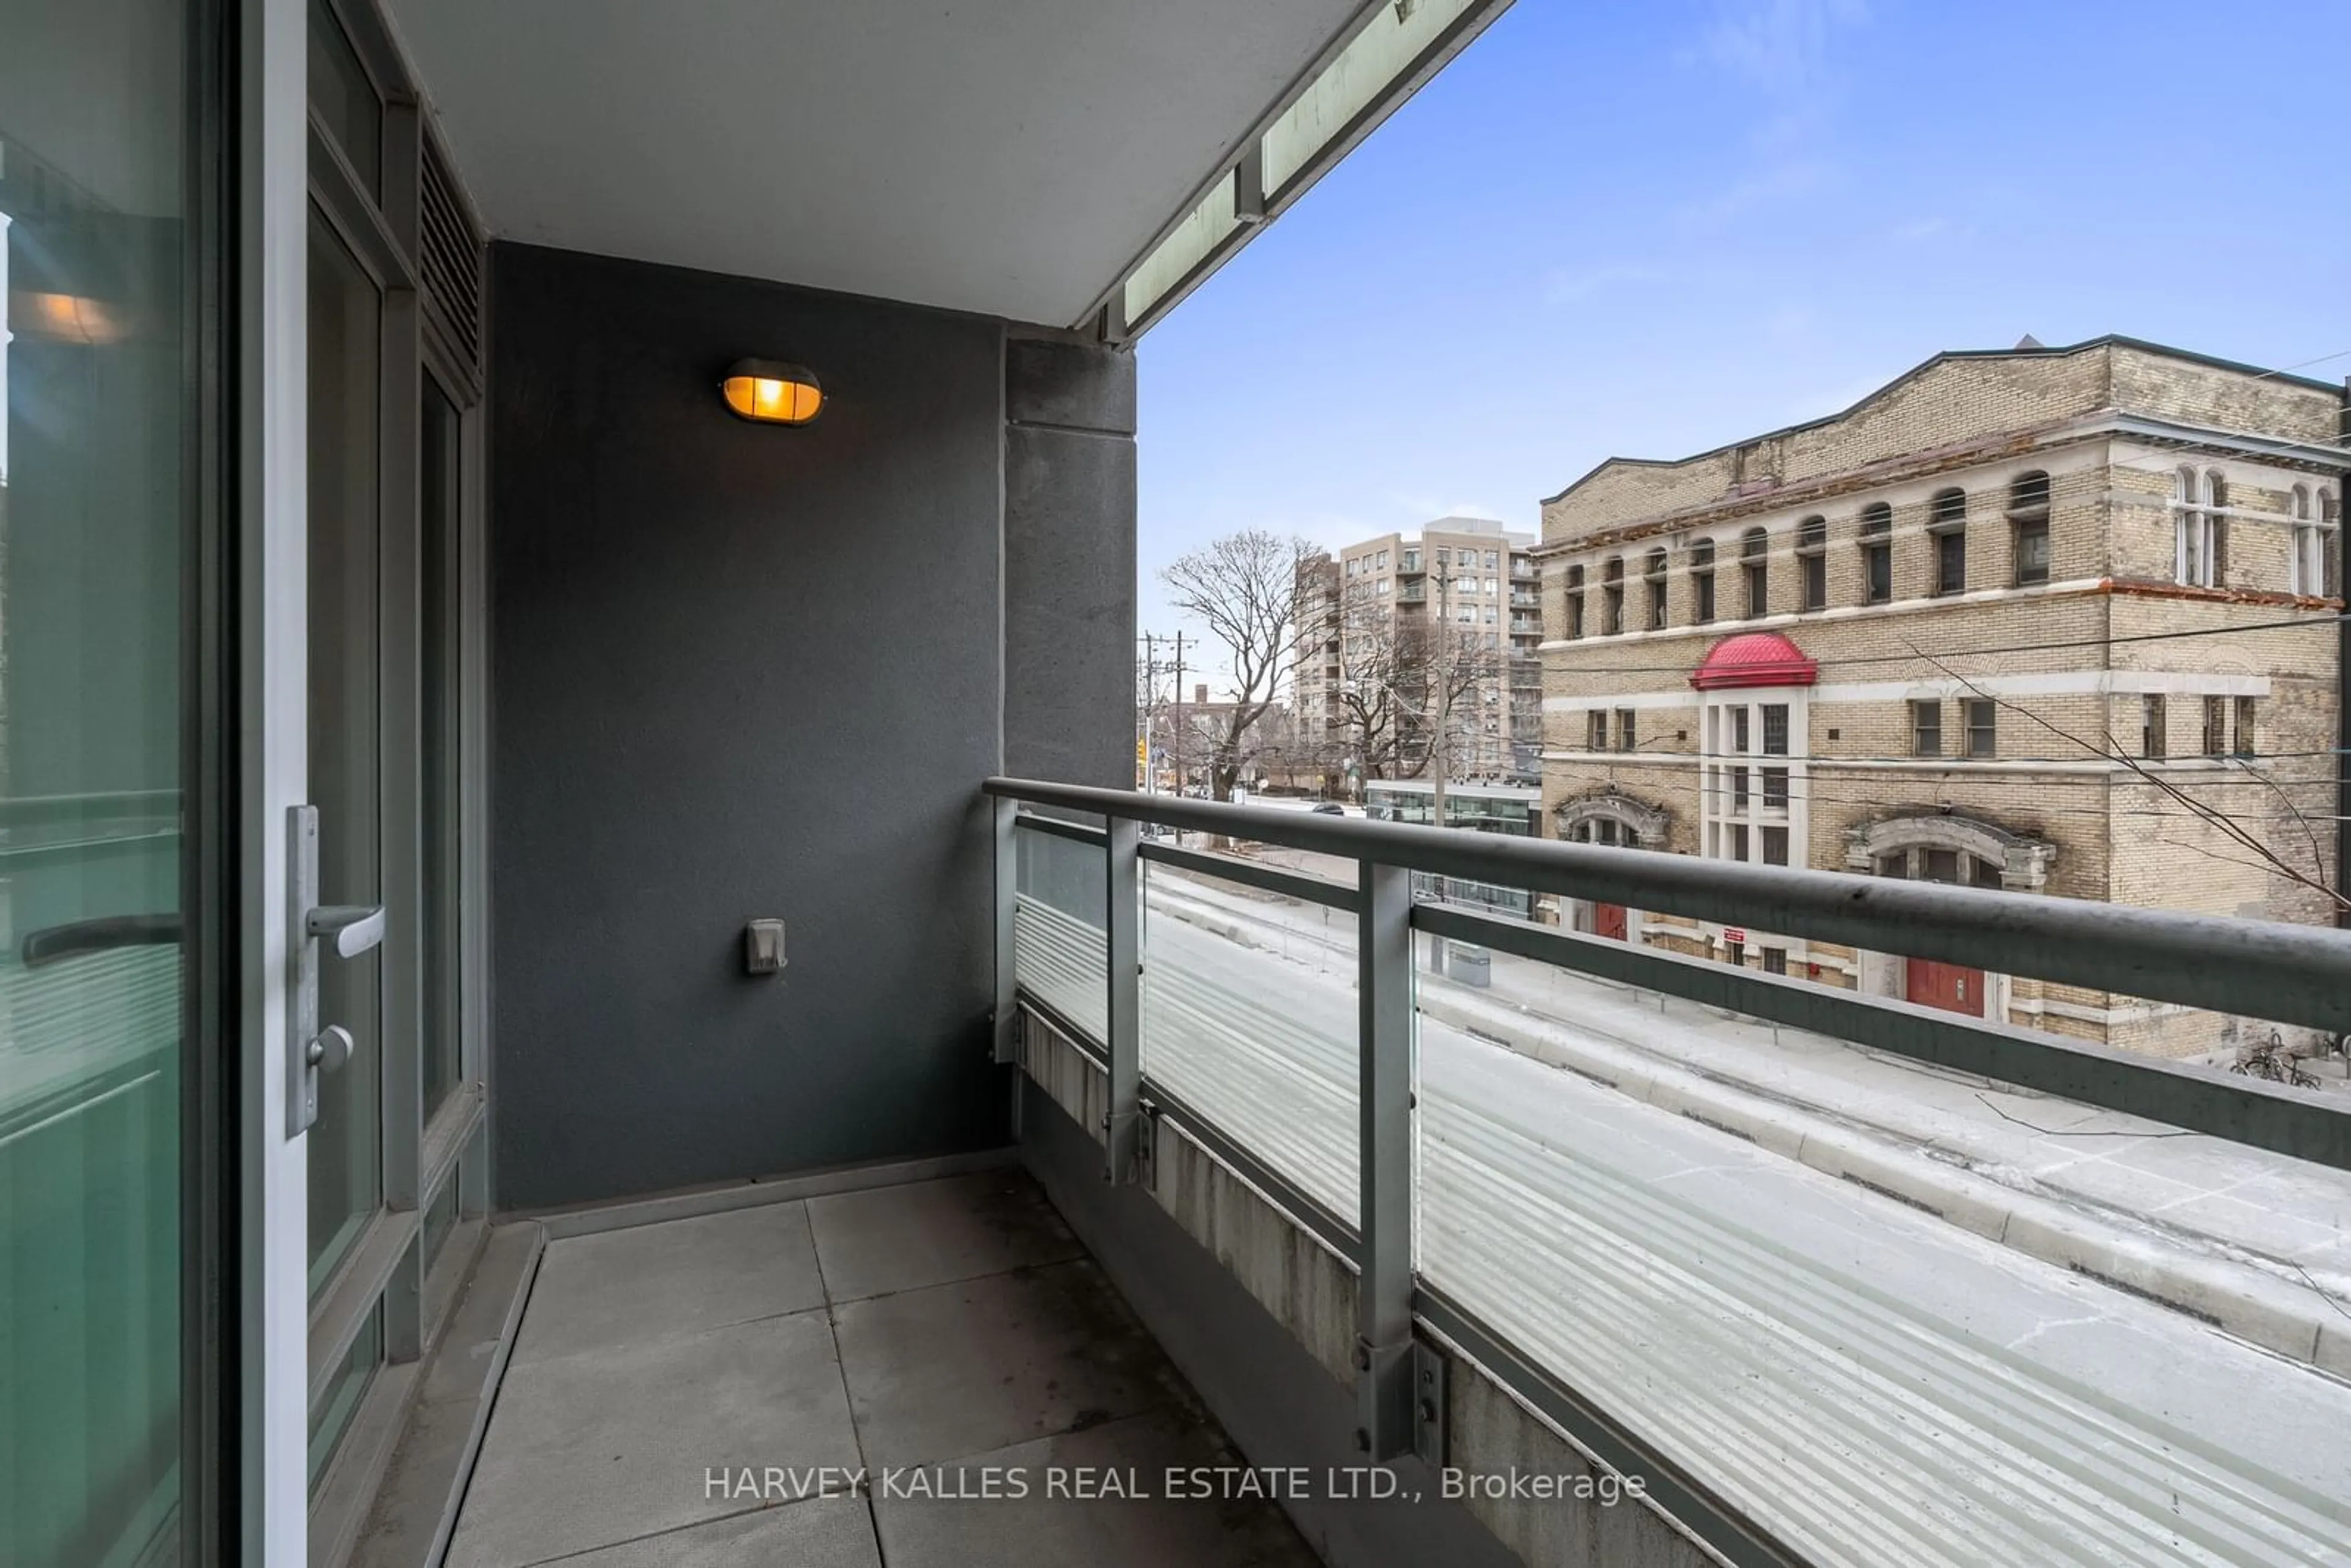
point(1946, 985)
point(1608, 920)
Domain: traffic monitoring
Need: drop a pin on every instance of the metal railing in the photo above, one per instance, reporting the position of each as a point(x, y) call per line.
point(2285, 974)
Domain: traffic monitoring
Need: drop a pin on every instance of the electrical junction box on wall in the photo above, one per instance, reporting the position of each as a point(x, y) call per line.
point(763, 948)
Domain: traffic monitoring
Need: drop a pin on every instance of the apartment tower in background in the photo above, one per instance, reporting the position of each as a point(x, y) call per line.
point(1403, 633)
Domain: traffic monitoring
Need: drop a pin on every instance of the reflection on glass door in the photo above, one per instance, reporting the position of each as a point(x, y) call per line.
point(437, 924)
point(95, 525)
point(346, 771)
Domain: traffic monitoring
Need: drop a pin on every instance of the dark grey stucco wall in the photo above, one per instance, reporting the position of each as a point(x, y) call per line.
point(1069, 562)
point(741, 671)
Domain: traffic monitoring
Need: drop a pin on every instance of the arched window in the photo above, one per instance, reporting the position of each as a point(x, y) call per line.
point(1702, 581)
point(2028, 521)
point(1575, 602)
point(1812, 562)
point(2306, 567)
point(2330, 540)
point(1612, 596)
point(1605, 817)
point(1653, 575)
point(1947, 526)
point(2188, 528)
point(1877, 535)
point(1754, 566)
point(2201, 538)
point(2216, 511)
point(1950, 847)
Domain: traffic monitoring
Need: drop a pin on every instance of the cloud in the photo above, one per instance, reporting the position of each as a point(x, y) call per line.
point(1565, 286)
point(1789, 324)
point(1781, 182)
point(1780, 46)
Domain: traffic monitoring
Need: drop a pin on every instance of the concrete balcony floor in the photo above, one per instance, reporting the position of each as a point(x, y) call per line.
point(678, 1389)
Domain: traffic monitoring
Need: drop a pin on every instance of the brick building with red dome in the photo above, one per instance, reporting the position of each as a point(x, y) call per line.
point(2037, 620)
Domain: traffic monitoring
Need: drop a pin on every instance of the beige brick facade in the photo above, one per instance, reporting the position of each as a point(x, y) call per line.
point(2185, 620)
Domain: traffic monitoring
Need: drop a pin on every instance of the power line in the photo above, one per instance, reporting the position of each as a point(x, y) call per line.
point(2287, 815)
point(1885, 803)
point(1731, 628)
point(2274, 446)
point(1808, 789)
point(1961, 769)
point(2301, 364)
point(2265, 787)
point(2087, 753)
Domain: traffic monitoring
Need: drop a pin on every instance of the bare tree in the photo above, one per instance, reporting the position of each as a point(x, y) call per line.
point(1396, 692)
point(1244, 588)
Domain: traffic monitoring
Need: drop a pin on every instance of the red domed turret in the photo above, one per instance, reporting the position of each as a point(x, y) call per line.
point(1754, 659)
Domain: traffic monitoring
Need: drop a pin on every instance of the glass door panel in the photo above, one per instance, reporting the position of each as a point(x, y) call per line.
point(437, 921)
point(346, 1157)
point(97, 522)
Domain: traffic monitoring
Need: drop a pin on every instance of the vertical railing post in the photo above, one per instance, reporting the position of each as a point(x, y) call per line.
point(1383, 1089)
point(1007, 899)
point(1122, 860)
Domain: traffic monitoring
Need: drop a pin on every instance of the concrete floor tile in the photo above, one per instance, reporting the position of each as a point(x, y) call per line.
point(616, 1289)
point(822, 1532)
point(939, 1517)
point(927, 1233)
point(976, 1365)
point(589, 1450)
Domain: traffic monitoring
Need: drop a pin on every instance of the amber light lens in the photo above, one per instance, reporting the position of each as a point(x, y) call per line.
point(773, 393)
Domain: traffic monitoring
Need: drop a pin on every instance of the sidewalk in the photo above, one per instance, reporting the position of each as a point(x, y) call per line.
point(2252, 1241)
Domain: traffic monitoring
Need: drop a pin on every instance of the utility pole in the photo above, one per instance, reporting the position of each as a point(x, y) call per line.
point(1176, 740)
point(1442, 758)
point(1150, 687)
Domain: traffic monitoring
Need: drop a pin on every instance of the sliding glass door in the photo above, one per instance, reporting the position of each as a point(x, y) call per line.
point(239, 593)
point(108, 781)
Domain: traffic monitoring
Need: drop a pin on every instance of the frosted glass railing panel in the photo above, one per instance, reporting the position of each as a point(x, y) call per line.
point(1869, 1303)
point(1059, 952)
point(1250, 1017)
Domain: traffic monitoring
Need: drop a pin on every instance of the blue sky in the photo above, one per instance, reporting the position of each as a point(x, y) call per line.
point(1648, 227)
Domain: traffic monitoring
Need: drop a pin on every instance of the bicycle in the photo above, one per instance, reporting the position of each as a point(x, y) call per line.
point(2272, 1061)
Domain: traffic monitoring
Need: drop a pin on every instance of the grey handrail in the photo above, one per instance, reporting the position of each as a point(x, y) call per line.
point(2265, 970)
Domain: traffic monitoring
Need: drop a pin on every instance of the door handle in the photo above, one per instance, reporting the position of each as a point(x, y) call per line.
point(356, 927)
point(348, 930)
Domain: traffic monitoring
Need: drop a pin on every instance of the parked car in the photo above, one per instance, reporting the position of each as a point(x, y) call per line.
point(1329, 809)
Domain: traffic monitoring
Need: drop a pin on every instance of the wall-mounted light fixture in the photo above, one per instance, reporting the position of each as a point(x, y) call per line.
point(772, 392)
